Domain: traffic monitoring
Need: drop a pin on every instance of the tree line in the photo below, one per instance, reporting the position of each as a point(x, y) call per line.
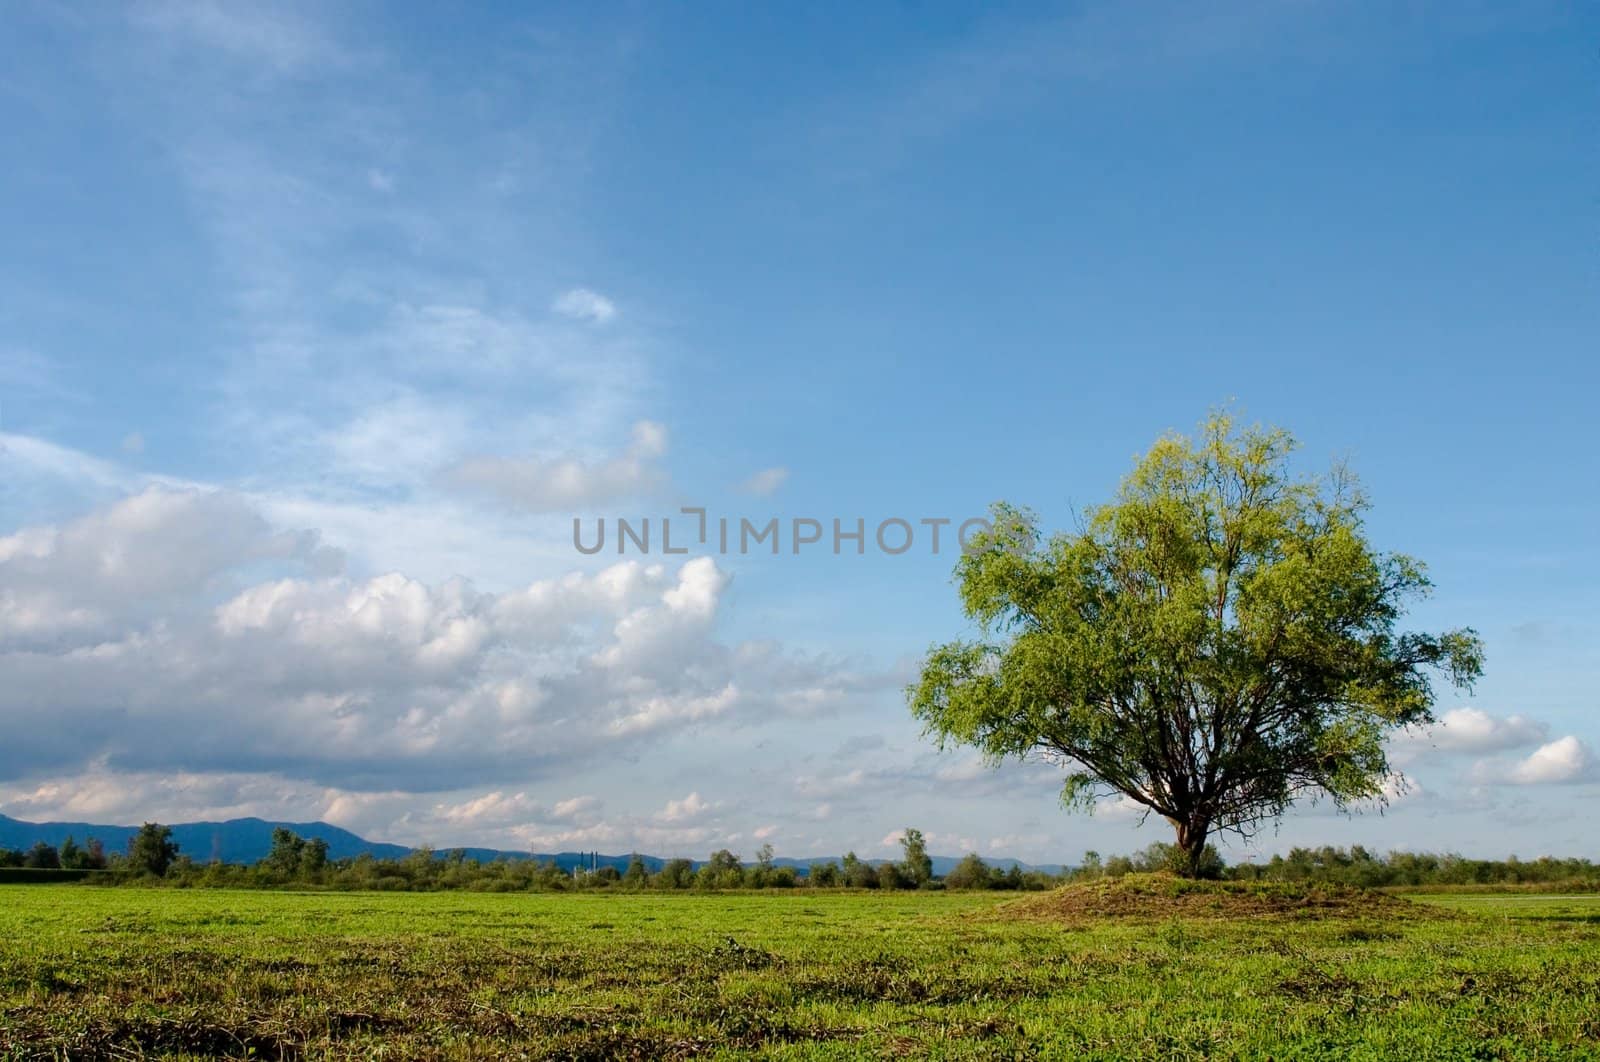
point(295, 861)
point(151, 852)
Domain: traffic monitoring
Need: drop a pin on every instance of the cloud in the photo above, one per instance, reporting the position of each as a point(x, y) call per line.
point(501, 809)
point(491, 808)
point(1121, 807)
point(335, 300)
point(100, 794)
point(180, 630)
point(1007, 64)
point(1469, 730)
point(1008, 844)
point(765, 482)
point(68, 586)
point(1474, 730)
point(574, 807)
point(269, 37)
point(568, 484)
point(688, 809)
point(133, 443)
point(1399, 787)
point(1564, 760)
point(584, 305)
point(661, 712)
point(27, 456)
point(401, 441)
point(26, 372)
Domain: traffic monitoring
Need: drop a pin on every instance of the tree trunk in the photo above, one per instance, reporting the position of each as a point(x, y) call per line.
point(1192, 842)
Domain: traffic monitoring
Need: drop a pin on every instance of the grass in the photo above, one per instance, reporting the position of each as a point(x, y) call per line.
point(1580, 908)
point(88, 972)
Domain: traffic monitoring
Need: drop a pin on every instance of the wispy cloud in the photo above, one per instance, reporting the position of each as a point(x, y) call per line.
point(765, 483)
point(585, 305)
point(569, 484)
point(273, 36)
point(1005, 64)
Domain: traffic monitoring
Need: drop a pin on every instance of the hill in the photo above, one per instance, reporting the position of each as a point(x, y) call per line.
point(233, 841)
point(1161, 896)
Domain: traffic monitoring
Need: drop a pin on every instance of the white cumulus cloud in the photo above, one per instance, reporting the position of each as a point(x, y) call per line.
point(1468, 730)
point(179, 630)
point(1474, 730)
point(1566, 759)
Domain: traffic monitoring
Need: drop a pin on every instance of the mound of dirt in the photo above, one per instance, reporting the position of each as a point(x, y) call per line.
point(1163, 896)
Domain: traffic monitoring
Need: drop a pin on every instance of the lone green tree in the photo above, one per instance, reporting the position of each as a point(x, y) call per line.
point(287, 850)
point(1217, 642)
point(918, 865)
point(152, 850)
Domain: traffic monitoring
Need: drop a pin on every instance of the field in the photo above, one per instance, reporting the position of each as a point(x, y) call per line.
point(122, 972)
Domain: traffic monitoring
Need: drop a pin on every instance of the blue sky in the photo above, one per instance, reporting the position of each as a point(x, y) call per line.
point(319, 323)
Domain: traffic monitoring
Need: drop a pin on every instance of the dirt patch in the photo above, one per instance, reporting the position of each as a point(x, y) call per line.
point(1154, 897)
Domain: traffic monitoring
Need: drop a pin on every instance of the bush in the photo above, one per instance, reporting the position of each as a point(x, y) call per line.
point(971, 873)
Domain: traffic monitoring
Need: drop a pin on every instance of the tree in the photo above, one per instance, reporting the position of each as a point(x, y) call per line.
point(43, 857)
point(823, 875)
point(971, 873)
point(287, 849)
point(722, 871)
point(313, 857)
point(760, 875)
point(918, 867)
point(151, 850)
point(890, 876)
point(859, 875)
point(1218, 642)
point(676, 874)
point(637, 875)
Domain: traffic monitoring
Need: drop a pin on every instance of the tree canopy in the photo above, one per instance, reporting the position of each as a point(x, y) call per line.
point(1218, 641)
point(152, 849)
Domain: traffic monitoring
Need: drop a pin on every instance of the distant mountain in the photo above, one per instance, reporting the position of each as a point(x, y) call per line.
point(248, 840)
point(234, 841)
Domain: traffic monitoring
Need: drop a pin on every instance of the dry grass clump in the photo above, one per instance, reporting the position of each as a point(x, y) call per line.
point(1164, 896)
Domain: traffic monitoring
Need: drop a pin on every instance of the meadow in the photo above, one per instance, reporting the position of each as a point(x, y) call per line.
point(126, 972)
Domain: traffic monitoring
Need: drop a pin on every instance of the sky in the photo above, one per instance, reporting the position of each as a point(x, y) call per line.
point(321, 324)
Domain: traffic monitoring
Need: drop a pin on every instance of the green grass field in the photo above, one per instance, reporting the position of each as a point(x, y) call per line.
point(121, 972)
